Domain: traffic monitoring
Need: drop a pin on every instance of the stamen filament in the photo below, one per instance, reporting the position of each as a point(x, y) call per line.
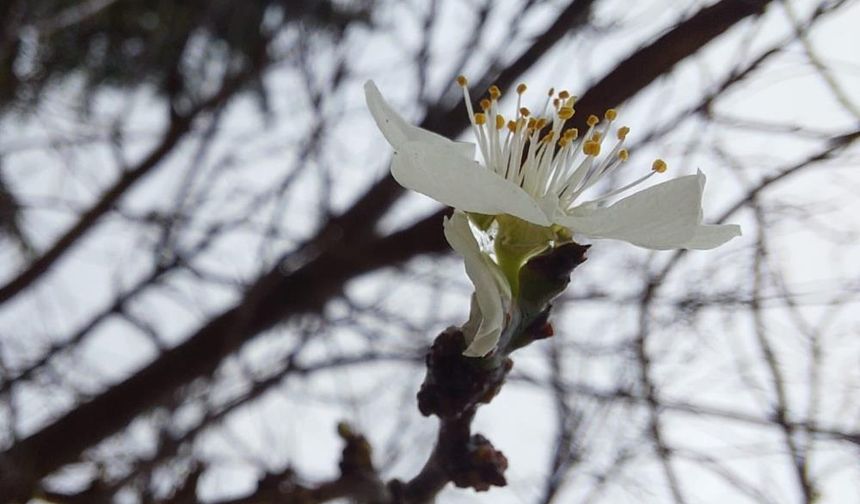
point(556, 162)
point(623, 189)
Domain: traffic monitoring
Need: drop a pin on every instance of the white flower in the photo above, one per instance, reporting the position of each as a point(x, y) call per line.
point(536, 170)
point(492, 291)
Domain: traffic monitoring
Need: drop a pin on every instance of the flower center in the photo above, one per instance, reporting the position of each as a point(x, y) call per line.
point(539, 154)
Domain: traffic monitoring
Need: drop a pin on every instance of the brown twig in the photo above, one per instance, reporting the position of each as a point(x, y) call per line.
point(454, 388)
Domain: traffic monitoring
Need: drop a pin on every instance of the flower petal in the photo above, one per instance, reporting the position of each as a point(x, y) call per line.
point(664, 216)
point(461, 182)
point(445, 170)
point(482, 345)
point(397, 131)
point(708, 236)
point(492, 291)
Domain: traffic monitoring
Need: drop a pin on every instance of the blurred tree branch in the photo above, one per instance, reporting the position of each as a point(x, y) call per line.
point(309, 266)
point(278, 294)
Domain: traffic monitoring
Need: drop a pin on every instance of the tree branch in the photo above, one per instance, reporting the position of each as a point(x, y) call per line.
point(326, 268)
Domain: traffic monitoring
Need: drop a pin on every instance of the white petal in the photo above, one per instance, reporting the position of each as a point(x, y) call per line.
point(492, 292)
point(461, 182)
point(708, 236)
point(664, 216)
point(482, 345)
point(549, 203)
point(397, 131)
point(445, 170)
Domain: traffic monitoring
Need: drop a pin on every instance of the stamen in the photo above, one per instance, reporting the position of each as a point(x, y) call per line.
point(623, 189)
point(500, 121)
point(573, 186)
point(591, 148)
point(565, 113)
point(464, 83)
point(542, 157)
point(549, 95)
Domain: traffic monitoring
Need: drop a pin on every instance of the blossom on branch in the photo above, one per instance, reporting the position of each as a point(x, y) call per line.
point(537, 170)
point(528, 197)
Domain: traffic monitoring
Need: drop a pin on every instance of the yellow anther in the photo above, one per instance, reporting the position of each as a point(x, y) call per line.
point(659, 166)
point(525, 112)
point(592, 120)
point(572, 133)
point(548, 137)
point(622, 132)
point(512, 126)
point(564, 95)
point(485, 104)
point(480, 119)
point(591, 148)
point(565, 113)
point(563, 141)
point(462, 81)
point(555, 103)
point(531, 123)
point(623, 154)
point(500, 121)
point(610, 114)
point(596, 137)
point(541, 122)
point(521, 88)
point(494, 92)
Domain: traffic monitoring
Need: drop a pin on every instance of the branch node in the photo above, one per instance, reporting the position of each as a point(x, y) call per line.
point(480, 467)
point(455, 384)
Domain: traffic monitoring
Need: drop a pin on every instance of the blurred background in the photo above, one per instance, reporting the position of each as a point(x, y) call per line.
point(204, 265)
